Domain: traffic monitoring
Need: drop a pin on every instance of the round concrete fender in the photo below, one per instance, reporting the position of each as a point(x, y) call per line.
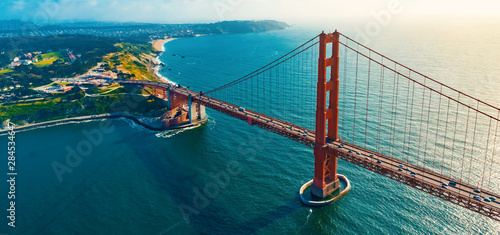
point(325, 202)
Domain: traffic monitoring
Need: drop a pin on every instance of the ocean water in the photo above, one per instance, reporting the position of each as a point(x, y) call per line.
point(226, 177)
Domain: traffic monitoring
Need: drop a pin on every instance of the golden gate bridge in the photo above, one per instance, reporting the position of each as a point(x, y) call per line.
point(348, 101)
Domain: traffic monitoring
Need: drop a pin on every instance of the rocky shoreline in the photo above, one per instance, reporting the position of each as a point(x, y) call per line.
point(159, 46)
point(151, 123)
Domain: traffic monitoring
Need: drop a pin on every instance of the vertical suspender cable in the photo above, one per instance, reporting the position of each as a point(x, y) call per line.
point(454, 137)
point(493, 152)
point(421, 118)
point(473, 144)
point(355, 98)
point(437, 127)
point(465, 143)
point(427, 127)
point(395, 104)
point(445, 136)
point(381, 97)
point(411, 120)
point(406, 118)
point(367, 95)
point(486, 154)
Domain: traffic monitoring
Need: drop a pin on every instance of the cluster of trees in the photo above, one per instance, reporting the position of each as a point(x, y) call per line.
point(52, 110)
point(4, 59)
point(91, 48)
point(18, 46)
point(75, 93)
point(239, 26)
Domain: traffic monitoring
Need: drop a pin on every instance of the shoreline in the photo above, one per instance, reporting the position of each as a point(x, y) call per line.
point(159, 46)
point(80, 119)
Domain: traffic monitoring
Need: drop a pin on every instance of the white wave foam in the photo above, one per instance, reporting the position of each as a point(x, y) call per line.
point(212, 121)
point(134, 125)
point(172, 133)
point(157, 69)
point(56, 124)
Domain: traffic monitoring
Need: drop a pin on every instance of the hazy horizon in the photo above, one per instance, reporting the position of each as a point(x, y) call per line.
point(206, 11)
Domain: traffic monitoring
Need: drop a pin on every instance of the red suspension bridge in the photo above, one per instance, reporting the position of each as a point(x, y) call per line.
point(355, 104)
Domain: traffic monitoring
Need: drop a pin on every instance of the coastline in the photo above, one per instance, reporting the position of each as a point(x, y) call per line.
point(146, 122)
point(159, 46)
point(149, 123)
point(80, 119)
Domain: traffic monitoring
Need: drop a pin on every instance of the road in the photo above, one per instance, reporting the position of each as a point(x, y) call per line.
point(420, 178)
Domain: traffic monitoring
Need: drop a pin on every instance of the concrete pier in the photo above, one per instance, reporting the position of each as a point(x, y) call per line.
point(196, 111)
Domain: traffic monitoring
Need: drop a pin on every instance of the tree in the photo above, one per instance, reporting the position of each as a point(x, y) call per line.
point(93, 89)
point(76, 93)
point(58, 62)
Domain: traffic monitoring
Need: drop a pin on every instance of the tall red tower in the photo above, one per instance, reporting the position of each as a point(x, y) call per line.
point(325, 180)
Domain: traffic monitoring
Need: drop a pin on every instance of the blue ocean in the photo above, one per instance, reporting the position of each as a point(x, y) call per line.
point(226, 177)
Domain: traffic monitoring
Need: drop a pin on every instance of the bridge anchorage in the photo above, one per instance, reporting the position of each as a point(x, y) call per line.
point(182, 110)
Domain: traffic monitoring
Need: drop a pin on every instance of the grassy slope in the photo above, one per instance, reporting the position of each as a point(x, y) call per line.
point(48, 58)
point(137, 59)
point(50, 55)
point(6, 71)
point(44, 63)
point(56, 109)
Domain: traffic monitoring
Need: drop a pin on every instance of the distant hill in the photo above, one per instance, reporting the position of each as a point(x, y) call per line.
point(138, 32)
point(239, 27)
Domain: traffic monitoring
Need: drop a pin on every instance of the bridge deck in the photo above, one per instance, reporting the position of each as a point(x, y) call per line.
point(422, 179)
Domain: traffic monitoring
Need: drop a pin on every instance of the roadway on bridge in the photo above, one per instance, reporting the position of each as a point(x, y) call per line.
point(412, 175)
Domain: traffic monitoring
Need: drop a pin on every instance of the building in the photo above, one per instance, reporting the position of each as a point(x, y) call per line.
point(65, 88)
point(71, 57)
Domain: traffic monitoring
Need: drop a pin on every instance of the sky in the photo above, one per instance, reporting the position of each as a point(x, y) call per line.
point(201, 11)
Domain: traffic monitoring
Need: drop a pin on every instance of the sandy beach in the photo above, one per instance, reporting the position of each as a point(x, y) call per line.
point(158, 44)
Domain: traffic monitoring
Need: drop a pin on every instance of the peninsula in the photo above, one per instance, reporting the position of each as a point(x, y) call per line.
point(48, 78)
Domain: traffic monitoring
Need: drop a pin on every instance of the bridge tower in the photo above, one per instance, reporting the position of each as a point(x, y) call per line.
point(326, 182)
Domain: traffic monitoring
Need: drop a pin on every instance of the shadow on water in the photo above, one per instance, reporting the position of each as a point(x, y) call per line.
point(178, 180)
point(255, 224)
point(72, 197)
